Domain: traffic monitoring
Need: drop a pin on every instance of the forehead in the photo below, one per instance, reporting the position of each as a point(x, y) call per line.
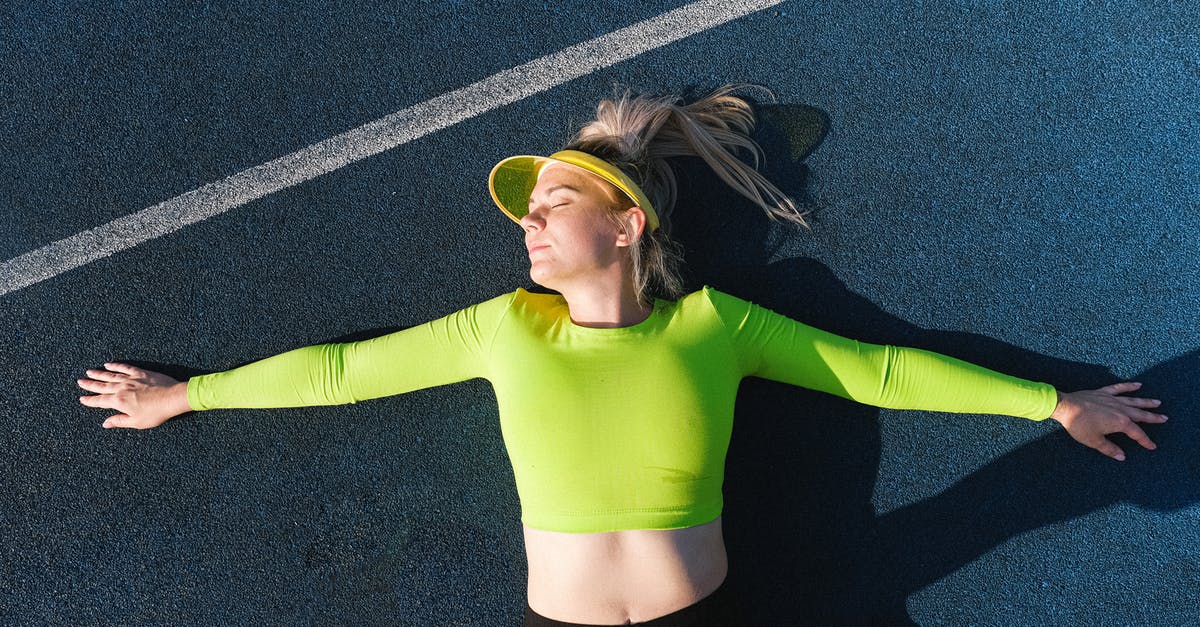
point(556, 175)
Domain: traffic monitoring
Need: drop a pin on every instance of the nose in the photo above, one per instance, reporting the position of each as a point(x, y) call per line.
point(532, 220)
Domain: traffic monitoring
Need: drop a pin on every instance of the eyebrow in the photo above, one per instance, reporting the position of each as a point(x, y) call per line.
point(557, 188)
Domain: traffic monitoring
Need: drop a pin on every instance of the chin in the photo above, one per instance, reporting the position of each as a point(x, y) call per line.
point(547, 282)
point(538, 281)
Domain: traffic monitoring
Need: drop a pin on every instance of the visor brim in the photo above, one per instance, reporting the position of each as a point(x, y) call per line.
point(511, 181)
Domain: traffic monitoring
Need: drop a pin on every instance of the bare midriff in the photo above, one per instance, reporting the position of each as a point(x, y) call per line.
point(622, 577)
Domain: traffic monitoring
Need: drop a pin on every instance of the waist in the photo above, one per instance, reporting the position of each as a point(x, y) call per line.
point(619, 576)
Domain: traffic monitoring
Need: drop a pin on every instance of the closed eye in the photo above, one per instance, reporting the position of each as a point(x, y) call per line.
point(555, 206)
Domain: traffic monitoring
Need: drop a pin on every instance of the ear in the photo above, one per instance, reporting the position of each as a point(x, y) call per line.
point(635, 219)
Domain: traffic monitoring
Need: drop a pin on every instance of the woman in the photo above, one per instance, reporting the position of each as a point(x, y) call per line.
point(616, 394)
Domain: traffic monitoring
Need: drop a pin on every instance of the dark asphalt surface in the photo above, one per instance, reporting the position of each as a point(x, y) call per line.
point(1014, 185)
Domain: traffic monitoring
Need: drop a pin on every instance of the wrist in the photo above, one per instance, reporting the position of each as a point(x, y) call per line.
point(179, 398)
point(1058, 406)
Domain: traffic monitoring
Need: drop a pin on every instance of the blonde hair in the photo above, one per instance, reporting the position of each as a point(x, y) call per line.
point(639, 133)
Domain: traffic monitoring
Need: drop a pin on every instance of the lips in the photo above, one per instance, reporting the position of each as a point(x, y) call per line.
point(537, 247)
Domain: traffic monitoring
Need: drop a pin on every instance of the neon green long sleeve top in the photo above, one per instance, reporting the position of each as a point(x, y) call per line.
point(619, 428)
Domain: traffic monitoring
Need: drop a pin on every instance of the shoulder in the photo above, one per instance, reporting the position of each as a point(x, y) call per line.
point(501, 302)
point(524, 295)
point(527, 300)
point(710, 302)
point(495, 308)
point(522, 304)
point(722, 302)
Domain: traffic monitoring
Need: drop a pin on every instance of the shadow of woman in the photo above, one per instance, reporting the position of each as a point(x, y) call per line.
point(810, 462)
point(804, 537)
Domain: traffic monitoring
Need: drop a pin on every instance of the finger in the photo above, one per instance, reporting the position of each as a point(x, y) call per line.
point(1136, 434)
point(105, 375)
point(92, 385)
point(1120, 388)
point(1150, 417)
point(100, 400)
point(120, 367)
point(120, 420)
point(1112, 450)
point(1133, 401)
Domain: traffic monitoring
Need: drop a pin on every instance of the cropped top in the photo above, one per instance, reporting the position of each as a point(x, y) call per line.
point(619, 428)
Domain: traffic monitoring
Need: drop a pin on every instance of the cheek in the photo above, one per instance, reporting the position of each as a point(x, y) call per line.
point(601, 232)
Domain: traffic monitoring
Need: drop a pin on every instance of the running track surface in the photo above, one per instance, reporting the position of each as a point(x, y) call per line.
point(1013, 185)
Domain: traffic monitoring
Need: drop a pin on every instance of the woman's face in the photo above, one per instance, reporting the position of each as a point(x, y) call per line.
point(568, 235)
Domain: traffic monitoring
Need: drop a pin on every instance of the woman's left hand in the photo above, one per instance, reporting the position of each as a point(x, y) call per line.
point(1089, 415)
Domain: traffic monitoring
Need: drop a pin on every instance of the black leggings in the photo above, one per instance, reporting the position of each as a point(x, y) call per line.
point(719, 609)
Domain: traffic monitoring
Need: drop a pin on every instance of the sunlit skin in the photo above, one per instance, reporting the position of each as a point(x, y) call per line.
point(624, 576)
point(578, 252)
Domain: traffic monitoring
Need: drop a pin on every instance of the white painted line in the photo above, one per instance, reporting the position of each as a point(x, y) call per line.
point(369, 139)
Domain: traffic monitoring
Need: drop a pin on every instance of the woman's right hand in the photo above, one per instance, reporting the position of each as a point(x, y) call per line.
point(145, 398)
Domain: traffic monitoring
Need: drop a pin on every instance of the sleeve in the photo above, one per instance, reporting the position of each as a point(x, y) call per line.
point(775, 347)
point(447, 350)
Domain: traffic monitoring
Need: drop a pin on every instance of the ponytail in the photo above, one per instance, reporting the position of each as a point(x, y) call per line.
point(638, 134)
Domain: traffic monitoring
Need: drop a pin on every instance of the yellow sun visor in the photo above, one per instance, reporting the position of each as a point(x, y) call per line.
point(513, 179)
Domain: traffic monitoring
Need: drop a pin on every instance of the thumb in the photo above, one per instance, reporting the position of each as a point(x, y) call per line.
point(120, 420)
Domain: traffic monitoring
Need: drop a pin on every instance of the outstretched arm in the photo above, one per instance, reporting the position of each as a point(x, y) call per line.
point(776, 347)
point(1090, 415)
point(447, 350)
